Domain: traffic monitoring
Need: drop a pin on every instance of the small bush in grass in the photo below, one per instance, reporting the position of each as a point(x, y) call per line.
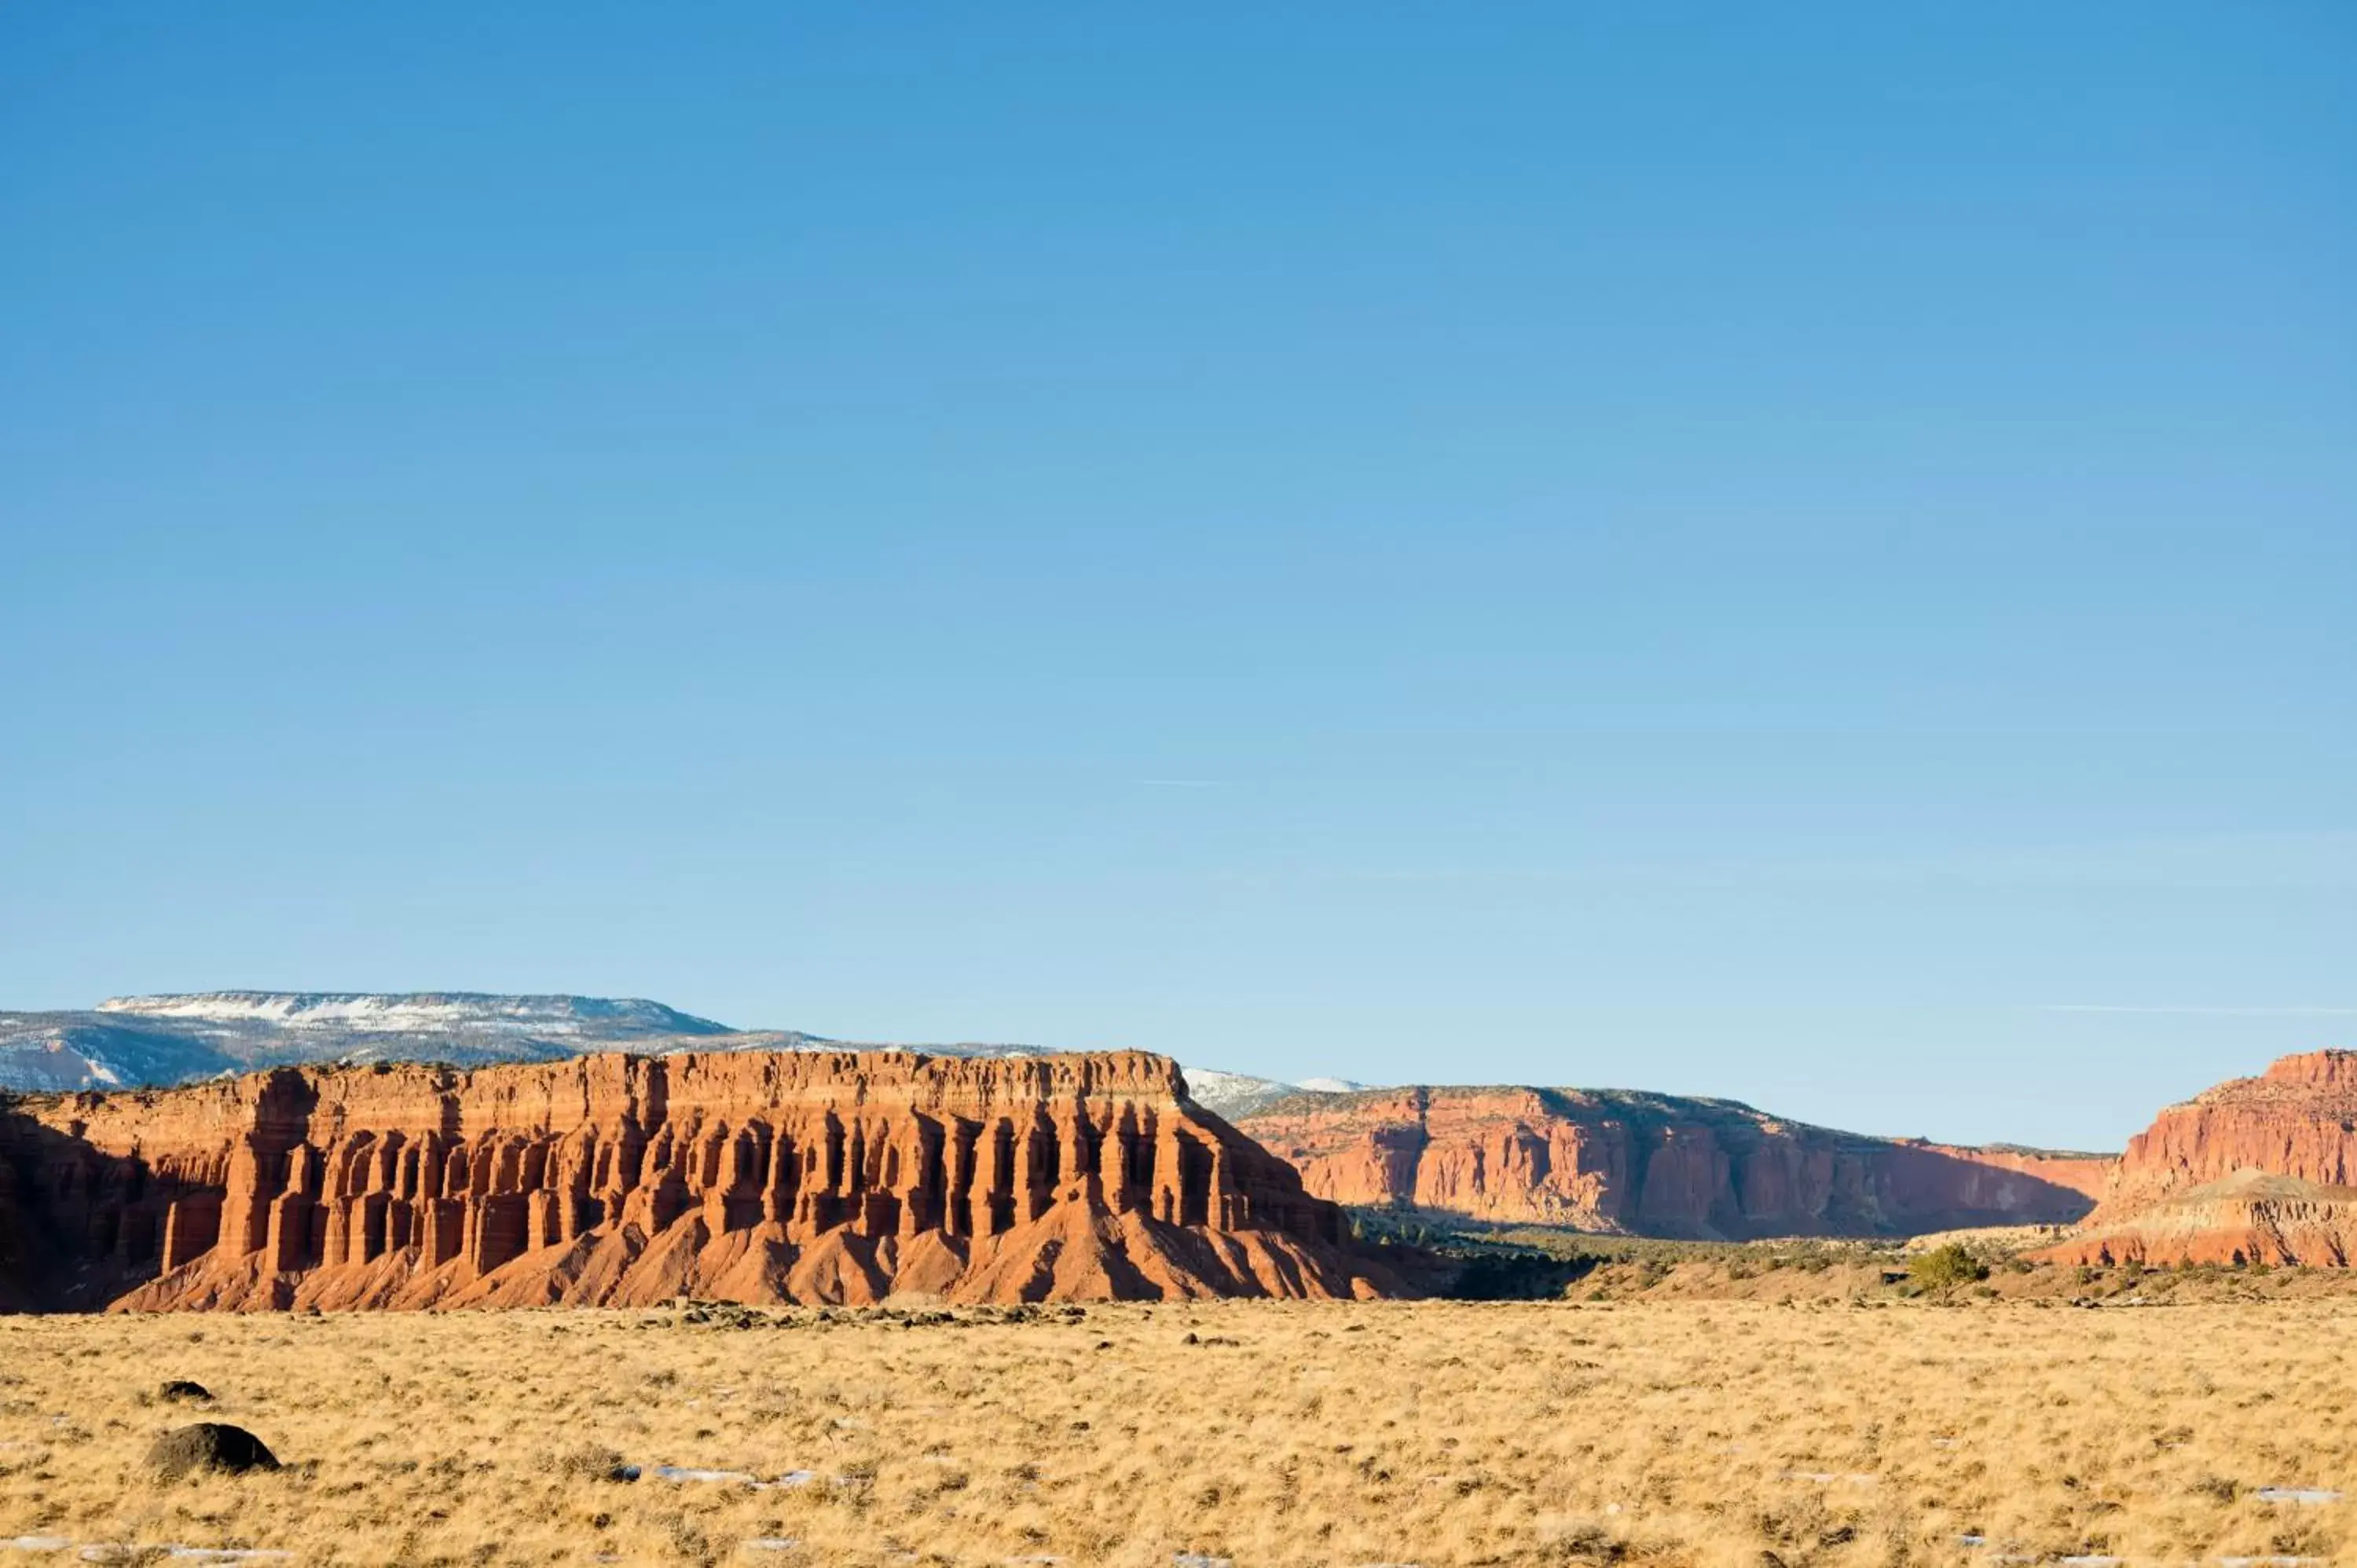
point(1943, 1267)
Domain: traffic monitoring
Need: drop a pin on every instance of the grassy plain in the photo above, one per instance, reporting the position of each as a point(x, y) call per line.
point(1842, 1428)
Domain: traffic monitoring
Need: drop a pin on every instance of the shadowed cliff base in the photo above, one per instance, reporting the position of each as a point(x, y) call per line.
point(1962, 1268)
point(829, 1177)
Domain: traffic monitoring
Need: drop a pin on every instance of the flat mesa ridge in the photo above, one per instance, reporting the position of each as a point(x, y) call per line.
point(619, 1179)
point(1660, 1164)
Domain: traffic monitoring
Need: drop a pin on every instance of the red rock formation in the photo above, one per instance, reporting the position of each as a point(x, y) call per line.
point(2258, 1169)
point(1654, 1164)
point(618, 1179)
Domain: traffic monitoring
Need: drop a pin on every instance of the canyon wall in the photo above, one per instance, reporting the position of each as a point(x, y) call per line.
point(1655, 1166)
point(615, 1179)
point(2255, 1170)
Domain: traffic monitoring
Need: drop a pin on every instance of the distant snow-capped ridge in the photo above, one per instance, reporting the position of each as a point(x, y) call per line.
point(424, 1011)
point(183, 1036)
point(142, 1041)
point(1234, 1094)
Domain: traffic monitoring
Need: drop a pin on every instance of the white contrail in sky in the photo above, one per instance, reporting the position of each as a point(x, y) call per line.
point(2207, 1012)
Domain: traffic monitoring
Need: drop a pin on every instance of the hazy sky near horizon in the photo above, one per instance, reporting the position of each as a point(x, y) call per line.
point(1804, 553)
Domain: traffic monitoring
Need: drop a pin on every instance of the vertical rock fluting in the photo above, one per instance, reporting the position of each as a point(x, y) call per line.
point(1654, 1164)
point(2255, 1170)
point(757, 1176)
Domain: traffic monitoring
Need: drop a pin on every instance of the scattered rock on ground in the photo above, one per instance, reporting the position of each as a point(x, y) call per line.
point(208, 1445)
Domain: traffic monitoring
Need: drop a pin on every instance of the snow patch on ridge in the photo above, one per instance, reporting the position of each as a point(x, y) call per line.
point(420, 1013)
point(189, 1037)
point(1232, 1094)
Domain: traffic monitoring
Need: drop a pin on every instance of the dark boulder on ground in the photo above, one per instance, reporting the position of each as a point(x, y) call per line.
point(208, 1445)
point(181, 1388)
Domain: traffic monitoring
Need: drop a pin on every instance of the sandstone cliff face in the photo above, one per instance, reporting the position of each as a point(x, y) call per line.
point(2258, 1169)
point(1654, 1164)
point(619, 1179)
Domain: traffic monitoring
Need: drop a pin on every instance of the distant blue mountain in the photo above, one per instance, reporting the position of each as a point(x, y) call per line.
point(134, 1042)
point(159, 1040)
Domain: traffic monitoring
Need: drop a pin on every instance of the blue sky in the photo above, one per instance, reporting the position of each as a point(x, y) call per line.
point(1805, 554)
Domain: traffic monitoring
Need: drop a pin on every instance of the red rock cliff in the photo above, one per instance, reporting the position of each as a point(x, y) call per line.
point(1655, 1165)
point(2257, 1169)
point(2297, 1119)
point(619, 1179)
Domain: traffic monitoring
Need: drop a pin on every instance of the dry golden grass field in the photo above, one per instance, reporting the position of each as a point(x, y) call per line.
point(1742, 1434)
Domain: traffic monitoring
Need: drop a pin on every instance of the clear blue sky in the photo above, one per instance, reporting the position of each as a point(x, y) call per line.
point(1802, 553)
